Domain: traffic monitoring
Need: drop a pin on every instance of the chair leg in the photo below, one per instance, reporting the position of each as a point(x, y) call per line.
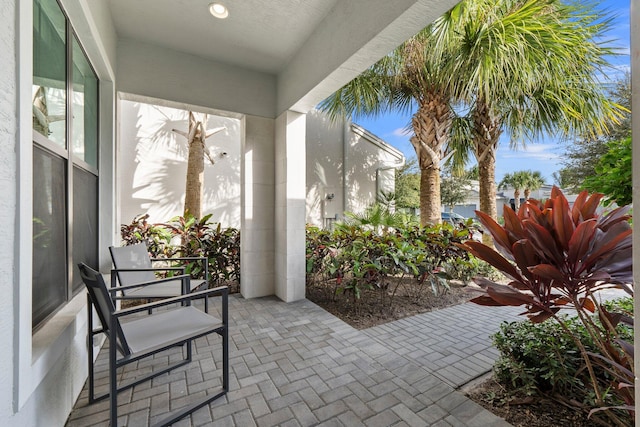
point(90, 347)
point(225, 359)
point(225, 342)
point(113, 386)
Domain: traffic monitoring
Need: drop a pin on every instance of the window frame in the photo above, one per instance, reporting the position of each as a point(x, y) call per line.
point(71, 160)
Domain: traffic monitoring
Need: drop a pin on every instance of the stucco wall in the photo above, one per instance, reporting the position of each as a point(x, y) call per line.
point(344, 176)
point(8, 183)
point(152, 164)
point(42, 373)
point(325, 165)
point(363, 159)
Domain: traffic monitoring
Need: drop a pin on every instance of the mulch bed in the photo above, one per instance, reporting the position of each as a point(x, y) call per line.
point(526, 411)
point(370, 310)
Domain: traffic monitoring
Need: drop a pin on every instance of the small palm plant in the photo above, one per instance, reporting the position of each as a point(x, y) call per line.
point(557, 257)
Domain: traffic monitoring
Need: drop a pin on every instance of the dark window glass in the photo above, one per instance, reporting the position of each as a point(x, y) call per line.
point(85, 222)
point(85, 108)
point(49, 71)
point(65, 210)
point(49, 234)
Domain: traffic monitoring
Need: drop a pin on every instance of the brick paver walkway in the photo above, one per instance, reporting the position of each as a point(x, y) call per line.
point(297, 365)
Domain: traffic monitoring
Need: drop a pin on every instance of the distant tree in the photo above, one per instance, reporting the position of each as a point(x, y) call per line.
point(407, 192)
point(533, 181)
point(453, 189)
point(583, 155)
point(473, 173)
point(515, 180)
point(613, 174)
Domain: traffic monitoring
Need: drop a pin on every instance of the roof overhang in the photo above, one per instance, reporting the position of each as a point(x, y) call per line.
point(278, 55)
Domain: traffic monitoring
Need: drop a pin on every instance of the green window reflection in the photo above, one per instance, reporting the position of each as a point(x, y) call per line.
point(49, 71)
point(85, 107)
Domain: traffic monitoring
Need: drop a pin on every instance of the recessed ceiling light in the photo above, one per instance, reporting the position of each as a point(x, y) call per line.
point(218, 10)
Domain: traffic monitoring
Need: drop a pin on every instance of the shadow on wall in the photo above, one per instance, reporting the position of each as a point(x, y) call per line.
point(153, 162)
point(348, 172)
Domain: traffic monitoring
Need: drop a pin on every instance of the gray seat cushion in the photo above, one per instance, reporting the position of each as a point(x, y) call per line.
point(166, 326)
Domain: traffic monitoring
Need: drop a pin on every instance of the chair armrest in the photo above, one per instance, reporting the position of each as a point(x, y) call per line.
point(221, 290)
point(185, 258)
point(149, 283)
point(127, 270)
point(188, 258)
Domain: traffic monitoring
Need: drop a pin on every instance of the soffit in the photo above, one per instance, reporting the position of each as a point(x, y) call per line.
point(258, 35)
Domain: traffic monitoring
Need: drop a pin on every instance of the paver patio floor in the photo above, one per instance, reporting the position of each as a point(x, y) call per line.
point(297, 365)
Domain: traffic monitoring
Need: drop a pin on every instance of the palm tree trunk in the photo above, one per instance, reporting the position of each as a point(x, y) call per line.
point(430, 196)
point(195, 180)
point(486, 133)
point(527, 193)
point(431, 125)
point(195, 168)
point(516, 198)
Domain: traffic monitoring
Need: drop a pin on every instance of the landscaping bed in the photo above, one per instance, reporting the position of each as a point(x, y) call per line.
point(370, 310)
point(521, 410)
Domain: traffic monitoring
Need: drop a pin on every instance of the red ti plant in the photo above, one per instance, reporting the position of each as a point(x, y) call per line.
point(557, 256)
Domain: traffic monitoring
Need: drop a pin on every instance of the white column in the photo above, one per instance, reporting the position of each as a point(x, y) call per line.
point(10, 266)
point(290, 206)
point(257, 208)
point(635, 120)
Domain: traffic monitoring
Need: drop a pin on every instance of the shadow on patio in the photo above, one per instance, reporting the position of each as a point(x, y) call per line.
point(295, 364)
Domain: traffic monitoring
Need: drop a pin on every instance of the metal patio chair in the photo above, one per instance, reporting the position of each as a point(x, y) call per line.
point(133, 265)
point(145, 336)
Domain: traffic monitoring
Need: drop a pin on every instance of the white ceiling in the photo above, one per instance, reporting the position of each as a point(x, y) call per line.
point(258, 34)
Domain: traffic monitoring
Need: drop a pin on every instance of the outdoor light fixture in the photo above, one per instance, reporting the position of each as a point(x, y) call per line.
point(218, 10)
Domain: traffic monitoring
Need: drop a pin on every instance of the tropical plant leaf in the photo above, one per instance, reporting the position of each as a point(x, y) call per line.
point(543, 315)
point(548, 271)
point(590, 206)
point(562, 223)
point(581, 241)
point(544, 243)
point(576, 210)
point(587, 304)
point(486, 301)
point(494, 258)
point(500, 236)
point(525, 255)
point(508, 296)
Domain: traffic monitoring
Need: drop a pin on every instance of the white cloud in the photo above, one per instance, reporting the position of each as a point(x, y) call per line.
point(533, 151)
point(401, 132)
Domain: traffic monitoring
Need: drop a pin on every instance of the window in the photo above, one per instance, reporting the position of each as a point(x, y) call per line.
point(65, 160)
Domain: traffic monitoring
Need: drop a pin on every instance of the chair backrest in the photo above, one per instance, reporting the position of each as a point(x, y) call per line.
point(132, 256)
point(103, 304)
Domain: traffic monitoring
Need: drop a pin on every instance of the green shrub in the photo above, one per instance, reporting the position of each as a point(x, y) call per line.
point(361, 255)
point(543, 358)
point(188, 237)
point(538, 357)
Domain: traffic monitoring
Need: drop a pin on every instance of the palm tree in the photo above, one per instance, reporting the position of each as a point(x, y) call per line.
point(196, 137)
point(412, 77)
point(533, 181)
point(517, 181)
point(529, 67)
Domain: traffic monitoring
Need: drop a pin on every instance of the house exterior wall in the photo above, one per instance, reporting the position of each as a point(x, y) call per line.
point(9, 276)
point(369, 168)
point(42, 373)
point(152, 164)
point(346, 168)
point(325, 168)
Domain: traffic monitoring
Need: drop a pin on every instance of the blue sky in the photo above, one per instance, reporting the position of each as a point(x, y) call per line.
point(545, 155)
